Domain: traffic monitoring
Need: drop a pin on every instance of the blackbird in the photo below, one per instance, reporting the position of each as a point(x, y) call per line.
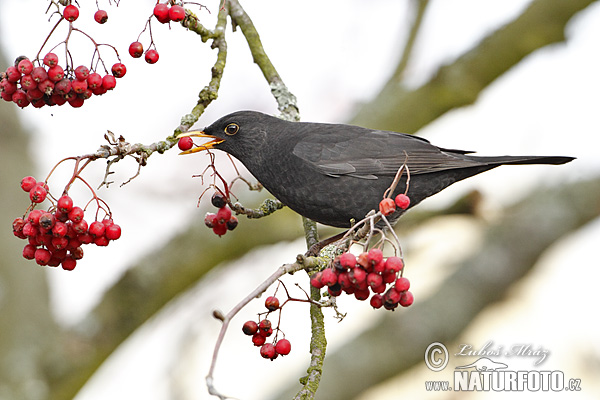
point(333, 173)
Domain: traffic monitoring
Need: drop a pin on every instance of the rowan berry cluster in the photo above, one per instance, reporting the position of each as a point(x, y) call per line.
point(164, 13)
point(223, 220)
point(56, 235)
point(43, 82)
point(263, 329)
point(368, 273)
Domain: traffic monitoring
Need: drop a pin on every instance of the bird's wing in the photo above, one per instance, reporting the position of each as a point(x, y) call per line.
point(365, 153)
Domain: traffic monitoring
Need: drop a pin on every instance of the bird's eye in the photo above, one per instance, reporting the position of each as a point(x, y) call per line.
point(232, 129)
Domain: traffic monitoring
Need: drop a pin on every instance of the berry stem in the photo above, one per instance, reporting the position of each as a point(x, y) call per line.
point(37, 56)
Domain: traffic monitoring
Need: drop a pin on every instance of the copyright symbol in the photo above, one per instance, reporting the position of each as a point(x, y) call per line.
point(436, 356)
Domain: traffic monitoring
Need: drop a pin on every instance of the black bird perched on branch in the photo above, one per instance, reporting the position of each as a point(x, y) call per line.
point(332, 173)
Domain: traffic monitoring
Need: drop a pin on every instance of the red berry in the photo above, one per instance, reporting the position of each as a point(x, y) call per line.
point(394, 264)
point(210, 220)
point(392, 296)
point(348, 260)
point(101, 16)
point(362, 294)
point(65, 204)
point(29, 230)
point(264, 327)
point(328, 277)
point(119, 70)
point(176, 13)
point(219, 229)
point(357, 275)
point(60, 242)
point(315, 280)
point(406, 299)
point(136, 49)
point(50, 59)
point(18, 225)
point(101, 241)
point(250, 328)
point(151, 56)
point(76, 214)
point(13, 74)
point(7, 88)
point(34, 94)
point(46, 87)
point(85, 238)
point(97, 229)
point(223, 215)
point(375, 256)
point(69, 263)
point(185, 143)
point(71, 13)
point(283, 347)
point(80, 227)
point(100, 90)
point(268, 351)
point(258, 339)
point(42, 256)
point(28, 183)
point(29, 251)
point(113, 232)
point(376, 301)
point(161, 12)
point(63, 86)
point(272, 303)
point(59, 229)
point(39, 74)
point(374, 280)
point(56, 73)
point(388, 276)
point(402, 284)
point(25, 66)
point(109, 82)
point(387, 206)
point(19, 97)
point(38, 193)
point(77, 253)
point(82, 72)
point(402, 201)
point(379, 267)
point(79, 86)
point(379, 289)
point(94, 80)
point(76, 102)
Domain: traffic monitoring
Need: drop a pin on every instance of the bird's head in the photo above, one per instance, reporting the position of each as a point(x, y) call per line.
point(238, 134)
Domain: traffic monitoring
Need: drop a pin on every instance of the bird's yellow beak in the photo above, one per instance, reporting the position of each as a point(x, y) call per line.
point(205, 146)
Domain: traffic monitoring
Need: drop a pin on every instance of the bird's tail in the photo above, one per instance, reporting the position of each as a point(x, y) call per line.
point(520, 160)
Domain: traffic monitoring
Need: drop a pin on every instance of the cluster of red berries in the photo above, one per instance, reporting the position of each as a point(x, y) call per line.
point(45, 83)
point(262, 330)
point(388, 206)
point(369, 272)
point(50, 85)
point(56, 236)
point(164, 13)
point(223, 220)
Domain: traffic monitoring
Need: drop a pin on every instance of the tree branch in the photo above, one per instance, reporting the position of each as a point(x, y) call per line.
point(459, 84)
